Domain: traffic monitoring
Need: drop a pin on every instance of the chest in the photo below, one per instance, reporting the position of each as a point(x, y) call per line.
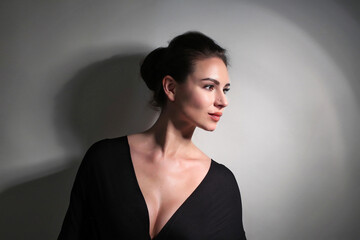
point(165, 187)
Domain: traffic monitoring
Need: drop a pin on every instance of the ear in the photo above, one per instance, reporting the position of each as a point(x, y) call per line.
point(169, 85)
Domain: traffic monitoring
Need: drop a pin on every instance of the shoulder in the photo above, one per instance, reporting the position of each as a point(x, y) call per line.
point(104, 150)
point(223, 173)
point(223, 180)
point(107, 145)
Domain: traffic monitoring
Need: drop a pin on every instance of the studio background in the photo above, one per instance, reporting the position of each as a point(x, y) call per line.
point(69, 75)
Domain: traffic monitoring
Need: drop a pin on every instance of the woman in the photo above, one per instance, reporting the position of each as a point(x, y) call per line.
point(157, 184)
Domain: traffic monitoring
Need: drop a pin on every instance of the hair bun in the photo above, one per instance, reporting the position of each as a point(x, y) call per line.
point(151, 68)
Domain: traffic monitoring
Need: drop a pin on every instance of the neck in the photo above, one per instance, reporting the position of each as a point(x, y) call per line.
point(170, 134)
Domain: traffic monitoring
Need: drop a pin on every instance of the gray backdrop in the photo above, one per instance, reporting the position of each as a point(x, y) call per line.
point(69, 77)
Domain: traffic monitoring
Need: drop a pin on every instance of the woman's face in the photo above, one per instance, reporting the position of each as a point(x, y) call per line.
point(201, 98)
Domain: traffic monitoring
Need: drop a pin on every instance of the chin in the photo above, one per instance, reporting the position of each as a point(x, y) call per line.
point(209, 127)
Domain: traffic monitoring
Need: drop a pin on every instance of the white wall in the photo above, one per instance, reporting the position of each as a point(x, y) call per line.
point(290, 134)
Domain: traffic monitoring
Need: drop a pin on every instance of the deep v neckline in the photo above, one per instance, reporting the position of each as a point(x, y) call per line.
point(171, 219)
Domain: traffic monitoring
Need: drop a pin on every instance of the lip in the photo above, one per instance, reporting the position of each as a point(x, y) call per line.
point(215, 116)
point(219, 114)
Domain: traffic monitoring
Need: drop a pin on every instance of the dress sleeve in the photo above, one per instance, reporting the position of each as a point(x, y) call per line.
point(232, 223)
point(237, 203)
point(76, 224)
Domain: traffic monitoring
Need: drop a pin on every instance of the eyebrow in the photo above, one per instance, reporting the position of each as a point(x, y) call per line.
point(215, 81)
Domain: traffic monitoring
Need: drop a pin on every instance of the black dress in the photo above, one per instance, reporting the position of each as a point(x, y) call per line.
point(106, 201)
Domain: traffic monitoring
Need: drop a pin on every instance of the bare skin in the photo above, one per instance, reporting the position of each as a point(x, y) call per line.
point(166, 177)
point(168, 166)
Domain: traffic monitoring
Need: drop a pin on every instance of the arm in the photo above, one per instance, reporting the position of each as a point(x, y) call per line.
point(76, 224)
point(232, 224)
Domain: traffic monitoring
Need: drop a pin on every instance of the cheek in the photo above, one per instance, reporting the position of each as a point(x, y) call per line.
point(199, 100)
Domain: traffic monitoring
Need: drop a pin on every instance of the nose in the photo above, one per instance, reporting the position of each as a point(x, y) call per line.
point(221, 100)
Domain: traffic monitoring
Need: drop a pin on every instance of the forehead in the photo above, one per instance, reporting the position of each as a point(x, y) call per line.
point(210, 68)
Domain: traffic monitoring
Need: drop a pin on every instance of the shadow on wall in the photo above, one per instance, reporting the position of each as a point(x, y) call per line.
point(33, 210)
point(106, 99)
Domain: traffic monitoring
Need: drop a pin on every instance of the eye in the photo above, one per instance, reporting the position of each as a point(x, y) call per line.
point(226, 90)
point(209, 87)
